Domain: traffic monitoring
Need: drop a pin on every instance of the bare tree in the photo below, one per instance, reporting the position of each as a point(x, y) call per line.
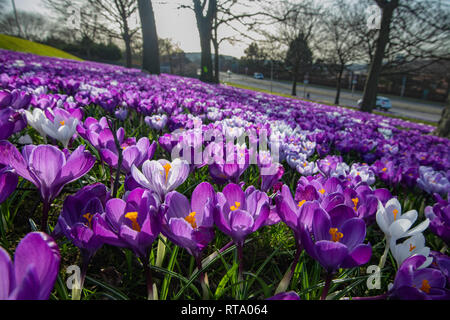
point(118, 14)
point(170, 50)
point(88, 20)
point(205, 12)
point(238, 19)
point(294, 21)
point(336, 45)
point(150, 61)
point(411, 31)
point(13, 2)
point(34, 26)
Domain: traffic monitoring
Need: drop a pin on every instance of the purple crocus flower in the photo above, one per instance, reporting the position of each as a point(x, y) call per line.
point(78, 215)
point(190, 225)
point(433, 181)
point(33, 273)
point(295, 214)
point(240, 213)
point(439, 216)
point(157, 122)
point(20, 99)
point(133, 153)
point(290, 295)
point(441, 262)
point(5, 99)
point(134, 222)
point(11, 121)
point(8, 182)
point(47, 167)
point(337, 239)
point(227, 162)
point(121, 113)
point(414, 283)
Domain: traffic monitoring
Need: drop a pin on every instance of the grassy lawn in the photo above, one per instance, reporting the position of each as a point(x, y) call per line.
point(17, 44)
point(348, 107)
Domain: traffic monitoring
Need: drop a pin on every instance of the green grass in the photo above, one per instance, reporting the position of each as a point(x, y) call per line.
point(232, 84)
point(22, 45)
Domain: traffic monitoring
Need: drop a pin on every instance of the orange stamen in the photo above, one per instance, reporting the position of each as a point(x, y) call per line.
point(236, 206)
point(425, 286)
point(167, 168)
point(335, 235)
point(191, 219)
point(88, 217)
point(133, 217)
point(395, 212)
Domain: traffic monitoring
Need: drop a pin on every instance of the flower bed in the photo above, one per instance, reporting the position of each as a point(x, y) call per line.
point(164, 187)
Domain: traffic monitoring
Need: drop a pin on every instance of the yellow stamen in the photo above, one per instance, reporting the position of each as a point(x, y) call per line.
point(123, 148)
point(411, 247)
point(322, 191)
point(301, 203)
point(335, 235)
point(88, 217)
point(305, 164)
point(355, 203)
point(425, 286)
point(62, 123)
point(191, 219)
point(236, 206)
point(133, 217)
point(395, 212)
point(384, 169)
point(167, 168)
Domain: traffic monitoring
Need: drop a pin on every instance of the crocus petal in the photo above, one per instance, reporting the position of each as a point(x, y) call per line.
point(233, 193)
point(358, 256)
point(330, 254)
point(7, 282)
point(354, 231)
point(321, 226)
point(241, 223)
point(39, 250)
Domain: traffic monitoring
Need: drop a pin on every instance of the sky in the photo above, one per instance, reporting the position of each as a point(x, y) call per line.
point(177, 24)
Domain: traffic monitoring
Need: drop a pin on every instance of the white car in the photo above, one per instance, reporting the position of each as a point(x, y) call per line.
point(382, 103)
point(258, 75)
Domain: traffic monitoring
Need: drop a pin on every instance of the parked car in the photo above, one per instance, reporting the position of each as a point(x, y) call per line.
point(382, 103)
point(258, 75)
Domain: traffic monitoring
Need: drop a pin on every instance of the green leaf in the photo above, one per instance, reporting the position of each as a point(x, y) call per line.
point(114, 291)
point(221, 287)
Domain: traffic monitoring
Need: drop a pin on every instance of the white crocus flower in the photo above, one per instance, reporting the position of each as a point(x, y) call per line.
point(161, 176)
point(36, 121)
point(414, 245)
point(396, 225)
point(61, 129)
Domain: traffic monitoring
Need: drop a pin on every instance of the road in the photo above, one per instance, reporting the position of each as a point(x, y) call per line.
point(413, 108)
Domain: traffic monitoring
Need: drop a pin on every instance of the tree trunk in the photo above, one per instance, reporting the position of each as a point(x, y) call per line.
point(215, 41)
point(371, 86)
point(206, 56)
point(216, 62)
point(443, 128)
point(150, 61)
point(338, 87)
point(294, 83)
point(127, 41)
point(204, 25)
